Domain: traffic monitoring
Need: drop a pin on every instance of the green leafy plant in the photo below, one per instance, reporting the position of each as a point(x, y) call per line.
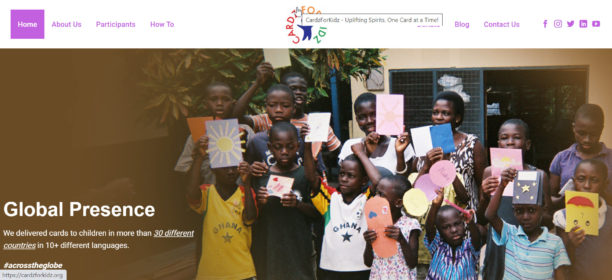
point(175, 79)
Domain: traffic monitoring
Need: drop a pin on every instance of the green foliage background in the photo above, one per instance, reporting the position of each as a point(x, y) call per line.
point(176, 79)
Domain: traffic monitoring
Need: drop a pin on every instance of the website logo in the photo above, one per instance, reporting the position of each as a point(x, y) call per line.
point(595, 23)
point(584, 23)
point(545, 23)
point(301, 30)
point(558, 23)
point(570, 23)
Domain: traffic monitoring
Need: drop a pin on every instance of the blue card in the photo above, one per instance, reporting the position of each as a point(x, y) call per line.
point(442, 136)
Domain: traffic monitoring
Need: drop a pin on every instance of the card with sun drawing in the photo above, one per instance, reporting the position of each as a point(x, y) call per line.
point(390, 114)
point(224, 142)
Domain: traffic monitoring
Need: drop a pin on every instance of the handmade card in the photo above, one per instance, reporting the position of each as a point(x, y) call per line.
point(415, 202)
point(197, 126)
point(582, 209)
point(224, 142)
point(527, 188)
point(279, 58)
point(442, 136)
point(390, 114)
point(425, 184)
point(318, 123)
point(378, 216)
point(421, 140)
point(428, 137)
point(442, 173)
point(279, 185)
point(505, 158)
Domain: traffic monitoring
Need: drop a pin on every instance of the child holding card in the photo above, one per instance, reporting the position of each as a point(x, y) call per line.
point(587, 126)
point(280, 108)
point(531, 251)
point(219, 101)
point(282, 240)
point(405, 230)
point(512, 134)
point(227, 253)
point(384, 151)
point(342, 207)
point(454, 252)
point(590, 255)
point(262, 122)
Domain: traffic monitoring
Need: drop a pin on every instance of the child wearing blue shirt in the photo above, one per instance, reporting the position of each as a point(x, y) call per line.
point(531, 251)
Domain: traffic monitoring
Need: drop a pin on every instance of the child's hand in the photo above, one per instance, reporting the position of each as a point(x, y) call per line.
point(265, 71)
point(508, 176)
point(576, 236)
point(470, 216)
point(434, 155)
point(358, 148)
point(402, 142)
point(438, 199)
point(259, 168)
point(289, 200)
point(200, 147)
point(262, 196)
point(244, 168)
point(393, 232)
point(489, 185)
point(371, 142)
point(369, 236)
point(305, 130)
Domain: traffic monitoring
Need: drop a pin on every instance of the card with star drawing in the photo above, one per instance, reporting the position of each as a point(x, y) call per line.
point(527, 188)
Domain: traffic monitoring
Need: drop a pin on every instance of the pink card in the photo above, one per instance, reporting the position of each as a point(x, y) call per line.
point(425, 184)
point(442, 173)
point(378, 216)
point(389, 114)
point(279, 185)
point(505, 158)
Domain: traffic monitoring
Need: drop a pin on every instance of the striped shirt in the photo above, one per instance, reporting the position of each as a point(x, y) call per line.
point(444, 266)
point(262, 122)
point(530, 260)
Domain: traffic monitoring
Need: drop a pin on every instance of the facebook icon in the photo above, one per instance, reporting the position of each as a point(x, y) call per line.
point(545, 22)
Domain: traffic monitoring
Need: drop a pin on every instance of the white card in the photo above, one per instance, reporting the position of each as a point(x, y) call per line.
point(279, 185)
point(318, 123)
point(421, 140)
point(279, 58)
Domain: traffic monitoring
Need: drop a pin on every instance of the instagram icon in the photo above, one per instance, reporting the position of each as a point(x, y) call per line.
point(558, 23)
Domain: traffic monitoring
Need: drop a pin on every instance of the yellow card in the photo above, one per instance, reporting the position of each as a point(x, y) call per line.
point(582, 210)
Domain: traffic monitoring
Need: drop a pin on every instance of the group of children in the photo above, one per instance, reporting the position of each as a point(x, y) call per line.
point(250, 234)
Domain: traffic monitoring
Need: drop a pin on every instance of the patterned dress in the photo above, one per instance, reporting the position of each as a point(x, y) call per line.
point(449, 264)
point(463, 158)
point(395, 267)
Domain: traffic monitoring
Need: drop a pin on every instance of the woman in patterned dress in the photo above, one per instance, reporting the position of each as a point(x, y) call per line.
point(469, 157)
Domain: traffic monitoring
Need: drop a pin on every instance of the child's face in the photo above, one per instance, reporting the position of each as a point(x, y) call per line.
point(350, 178)
point(386, 190)
point(299, 88)
point(443, 112)
point(226, 176)
point(284, 146)
point(451, 226)
point(220, 101)
point(279, 106)
point(588, 179)
point(366, 116)
point(512, 136)
point(529, 216)
point(587, 133)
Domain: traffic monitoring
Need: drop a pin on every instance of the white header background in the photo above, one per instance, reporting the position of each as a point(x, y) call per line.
point(261, 24)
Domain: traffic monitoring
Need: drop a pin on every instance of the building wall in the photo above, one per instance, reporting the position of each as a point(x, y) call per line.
point(599, 63)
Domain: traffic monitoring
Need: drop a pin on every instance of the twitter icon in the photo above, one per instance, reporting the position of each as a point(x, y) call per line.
point(570, 23)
